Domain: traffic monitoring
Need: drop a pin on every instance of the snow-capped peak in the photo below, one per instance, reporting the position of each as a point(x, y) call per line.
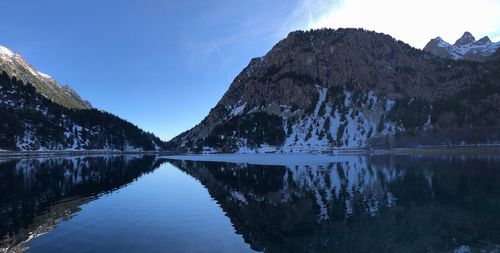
point(484, 40)
point(466, 48)
point(6, 51)
point(466, 39)
point(16, 57)
point(15, 65)
point(441, 43)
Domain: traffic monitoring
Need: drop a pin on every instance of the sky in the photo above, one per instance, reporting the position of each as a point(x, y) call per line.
point(163, 65)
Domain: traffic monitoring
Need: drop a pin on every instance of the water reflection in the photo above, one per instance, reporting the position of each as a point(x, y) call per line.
point(36, 194)
point(376, 204)
point(347, 204)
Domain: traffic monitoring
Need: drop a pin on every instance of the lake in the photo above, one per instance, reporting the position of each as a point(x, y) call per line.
point(251, 203)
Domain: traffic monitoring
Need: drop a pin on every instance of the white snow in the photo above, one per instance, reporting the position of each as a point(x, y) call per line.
point(442, 43)
point(6, 51)
point(458, 51)
point(27, 140)
point(239, 197)
point(129, 147)
point(263, 149)
point(359, 125)
point(321, 100)
point(237, 110)
point(331, 126)
point(44, 75)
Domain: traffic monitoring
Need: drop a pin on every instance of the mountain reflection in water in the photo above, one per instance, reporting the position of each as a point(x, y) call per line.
point(375, 204)
point(37, 193)
point(324, 204)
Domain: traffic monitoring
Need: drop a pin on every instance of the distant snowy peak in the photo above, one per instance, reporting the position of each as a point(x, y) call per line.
point(466, 39)
point(16, 66)
point(484, 40)
point(465, 48)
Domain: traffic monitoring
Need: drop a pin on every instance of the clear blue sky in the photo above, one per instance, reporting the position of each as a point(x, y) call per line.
point(159, 64)
point(163, 64)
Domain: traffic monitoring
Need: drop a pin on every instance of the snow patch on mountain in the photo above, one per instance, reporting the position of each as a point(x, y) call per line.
point(338, 128)
point(6, 51)
point(345, 121)
point(322, 97)
point(16, 66)
point(237, 110)
point(44, 75)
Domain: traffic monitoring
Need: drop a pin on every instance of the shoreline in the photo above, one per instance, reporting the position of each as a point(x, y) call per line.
point(397, 151)
point(495, 149)
point(78, 153)
point(441, 150)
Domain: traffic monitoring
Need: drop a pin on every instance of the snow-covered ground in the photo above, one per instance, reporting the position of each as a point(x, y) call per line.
point(348, 124)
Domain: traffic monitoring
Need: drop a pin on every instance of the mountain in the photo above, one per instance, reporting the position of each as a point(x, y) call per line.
point(349, 88)
point(16, 66)
point(466, 48)
point(32, 122)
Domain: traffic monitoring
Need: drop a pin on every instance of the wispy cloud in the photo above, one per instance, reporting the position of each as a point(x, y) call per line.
point(233, 37)
point(414, 22)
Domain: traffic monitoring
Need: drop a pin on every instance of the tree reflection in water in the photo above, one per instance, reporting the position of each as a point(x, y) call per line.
point(358, 204)
point(38, 193)
point(364, 204)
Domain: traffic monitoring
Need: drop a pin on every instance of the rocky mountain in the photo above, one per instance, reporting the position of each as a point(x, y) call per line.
point(16, 66)
point(350, 88)
point(32, 122)
point(466, 48)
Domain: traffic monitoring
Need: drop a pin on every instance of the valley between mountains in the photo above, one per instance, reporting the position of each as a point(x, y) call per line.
point(314, 91)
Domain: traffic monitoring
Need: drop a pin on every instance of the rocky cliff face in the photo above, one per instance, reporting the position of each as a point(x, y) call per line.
point(466, 48)
point(346, 88)
point(16, 66)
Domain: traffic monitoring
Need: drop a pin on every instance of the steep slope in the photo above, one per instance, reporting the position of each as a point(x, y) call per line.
point(30, 121)
point(16, 66)
point(466, 48)
point(348, 88)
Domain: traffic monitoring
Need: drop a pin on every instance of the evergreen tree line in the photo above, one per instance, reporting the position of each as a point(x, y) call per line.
point(29, 118)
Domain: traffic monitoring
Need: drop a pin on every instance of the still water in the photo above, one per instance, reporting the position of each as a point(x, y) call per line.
point(249, 203)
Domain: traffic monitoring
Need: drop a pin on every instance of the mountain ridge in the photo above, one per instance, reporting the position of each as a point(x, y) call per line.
point(32, 122)
point(16, 66)
point(465, 48)
point(325, 89)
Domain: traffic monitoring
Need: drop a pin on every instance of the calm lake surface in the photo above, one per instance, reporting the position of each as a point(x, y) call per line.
point(251, 203)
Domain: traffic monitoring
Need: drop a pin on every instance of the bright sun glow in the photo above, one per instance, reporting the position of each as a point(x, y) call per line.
point(414, 22)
